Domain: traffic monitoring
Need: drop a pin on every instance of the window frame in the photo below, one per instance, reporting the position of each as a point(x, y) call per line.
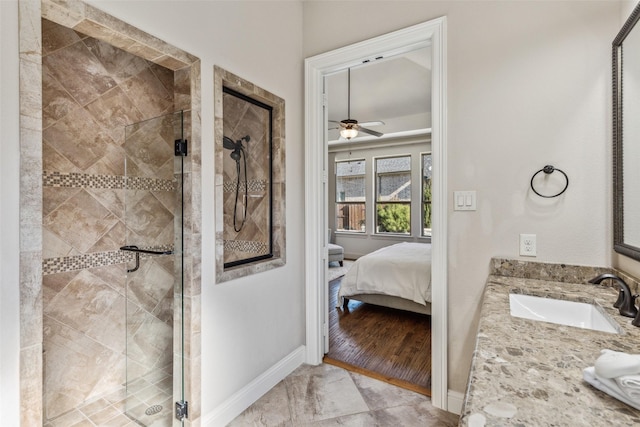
point(377, 202)
point(363, 221)
point(423, 229)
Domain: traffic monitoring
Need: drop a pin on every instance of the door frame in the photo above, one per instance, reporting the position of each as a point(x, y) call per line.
point(431, 33)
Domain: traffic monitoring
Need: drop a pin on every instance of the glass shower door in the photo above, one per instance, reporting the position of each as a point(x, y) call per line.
point(154, 249)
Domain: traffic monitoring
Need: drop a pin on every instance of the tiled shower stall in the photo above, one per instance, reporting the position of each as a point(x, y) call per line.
point(101, 83)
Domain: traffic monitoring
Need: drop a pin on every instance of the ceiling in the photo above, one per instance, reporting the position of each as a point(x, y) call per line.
point(394, 90)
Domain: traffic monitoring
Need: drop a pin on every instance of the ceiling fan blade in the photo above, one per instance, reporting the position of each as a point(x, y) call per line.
point(333, 121)
point(369, 131)
point(376, 123)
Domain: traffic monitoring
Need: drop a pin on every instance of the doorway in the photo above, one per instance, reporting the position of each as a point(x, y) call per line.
point(431, 33)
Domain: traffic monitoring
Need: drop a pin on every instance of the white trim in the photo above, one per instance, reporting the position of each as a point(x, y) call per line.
point(431, 33)
point(249, 394)
point(456, 401)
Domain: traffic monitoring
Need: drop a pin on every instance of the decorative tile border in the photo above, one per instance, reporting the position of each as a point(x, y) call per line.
point(92, 260)
point(82, 180)
point(253, 186)
point(245, 246)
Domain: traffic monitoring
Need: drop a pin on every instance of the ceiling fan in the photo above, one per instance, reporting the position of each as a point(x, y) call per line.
point(349, 127)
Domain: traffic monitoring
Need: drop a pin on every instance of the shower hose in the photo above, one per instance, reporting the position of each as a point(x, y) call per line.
point(235, 206)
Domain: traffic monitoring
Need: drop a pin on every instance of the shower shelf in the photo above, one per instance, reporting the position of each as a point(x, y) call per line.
point(138, 251)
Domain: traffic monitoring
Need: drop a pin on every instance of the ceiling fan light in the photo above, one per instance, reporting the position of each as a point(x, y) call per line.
point(348, 133)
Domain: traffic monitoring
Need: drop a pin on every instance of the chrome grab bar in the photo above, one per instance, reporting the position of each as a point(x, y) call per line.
point(138, 251)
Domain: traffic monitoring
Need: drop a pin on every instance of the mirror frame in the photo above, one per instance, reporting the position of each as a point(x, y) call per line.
point(619, 244)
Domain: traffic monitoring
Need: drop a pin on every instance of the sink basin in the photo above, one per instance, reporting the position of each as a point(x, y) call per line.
point(562, 312)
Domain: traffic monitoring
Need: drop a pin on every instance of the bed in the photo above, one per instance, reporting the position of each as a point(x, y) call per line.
point(396, 276)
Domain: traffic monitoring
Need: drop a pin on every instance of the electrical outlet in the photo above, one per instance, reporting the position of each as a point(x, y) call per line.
point(527, 245)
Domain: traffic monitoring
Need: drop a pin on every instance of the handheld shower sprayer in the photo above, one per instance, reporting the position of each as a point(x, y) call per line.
point(238, 153)
point(237, 146)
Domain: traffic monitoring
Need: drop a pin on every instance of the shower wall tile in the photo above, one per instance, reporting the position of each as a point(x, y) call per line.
point(31, 385)
point(79, 138)
point(151, 287)
point(113, 111)
point(182, 89)
point(112, 199)
point(110, 164)
point(58, 101)
point(54, 161)
point(166, 77)
point(53, 246)
point(147, 217)
point(80, 221)
point(70, 354)
point(30, 299)
point(111, 240)
point(56, 37)
point(151, 345)
point(90, 79)
point(120, 65)
point(31, 107)
point(149, 94)
point(86, 304)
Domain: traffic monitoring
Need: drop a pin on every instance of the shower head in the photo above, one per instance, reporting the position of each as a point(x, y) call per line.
point(235, 146)
point(230, 145)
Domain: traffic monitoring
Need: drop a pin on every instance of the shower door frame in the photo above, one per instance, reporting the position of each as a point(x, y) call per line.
point(139, 247)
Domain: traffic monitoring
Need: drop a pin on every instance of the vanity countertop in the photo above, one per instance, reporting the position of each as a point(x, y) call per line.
point(529, 373)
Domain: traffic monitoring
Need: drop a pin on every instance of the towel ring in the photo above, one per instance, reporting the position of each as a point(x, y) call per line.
point(549, 170)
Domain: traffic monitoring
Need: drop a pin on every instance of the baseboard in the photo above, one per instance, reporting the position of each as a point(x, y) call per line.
point(455, 400)
point(245, 397)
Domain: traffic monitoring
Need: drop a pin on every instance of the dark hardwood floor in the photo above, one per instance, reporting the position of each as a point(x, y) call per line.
point(387, 344)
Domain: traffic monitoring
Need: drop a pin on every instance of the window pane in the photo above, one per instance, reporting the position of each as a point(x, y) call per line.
point(393, 218)
point(350, 217)
point(393, 179)
point(393, 195)
point(350, 196)
point(426, 194)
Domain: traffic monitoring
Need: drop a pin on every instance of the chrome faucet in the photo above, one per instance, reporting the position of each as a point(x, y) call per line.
point(625, 302)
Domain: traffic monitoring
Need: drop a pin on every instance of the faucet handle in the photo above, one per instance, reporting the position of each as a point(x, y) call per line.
point(636, 320)
point(620, 299)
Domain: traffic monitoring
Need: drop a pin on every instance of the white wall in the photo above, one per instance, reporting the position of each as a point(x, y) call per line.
point(528, 85)
point(9, 212)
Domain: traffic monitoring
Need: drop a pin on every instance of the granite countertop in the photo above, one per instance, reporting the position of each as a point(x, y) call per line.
point(529, 373)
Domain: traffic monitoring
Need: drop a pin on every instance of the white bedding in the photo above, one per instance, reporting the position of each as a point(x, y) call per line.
point(402, 270)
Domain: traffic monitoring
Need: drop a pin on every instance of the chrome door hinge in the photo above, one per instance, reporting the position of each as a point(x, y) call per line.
point(182, 410)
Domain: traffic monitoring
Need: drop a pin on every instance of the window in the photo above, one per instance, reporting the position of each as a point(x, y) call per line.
point(393, 195)
point(426, 195)
point(350, 196)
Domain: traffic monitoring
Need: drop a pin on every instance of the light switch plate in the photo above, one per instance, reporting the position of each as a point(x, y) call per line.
point(464, 200)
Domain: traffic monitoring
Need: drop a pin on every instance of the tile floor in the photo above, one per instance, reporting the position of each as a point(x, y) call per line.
point(326, 395)
point(151, 392)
